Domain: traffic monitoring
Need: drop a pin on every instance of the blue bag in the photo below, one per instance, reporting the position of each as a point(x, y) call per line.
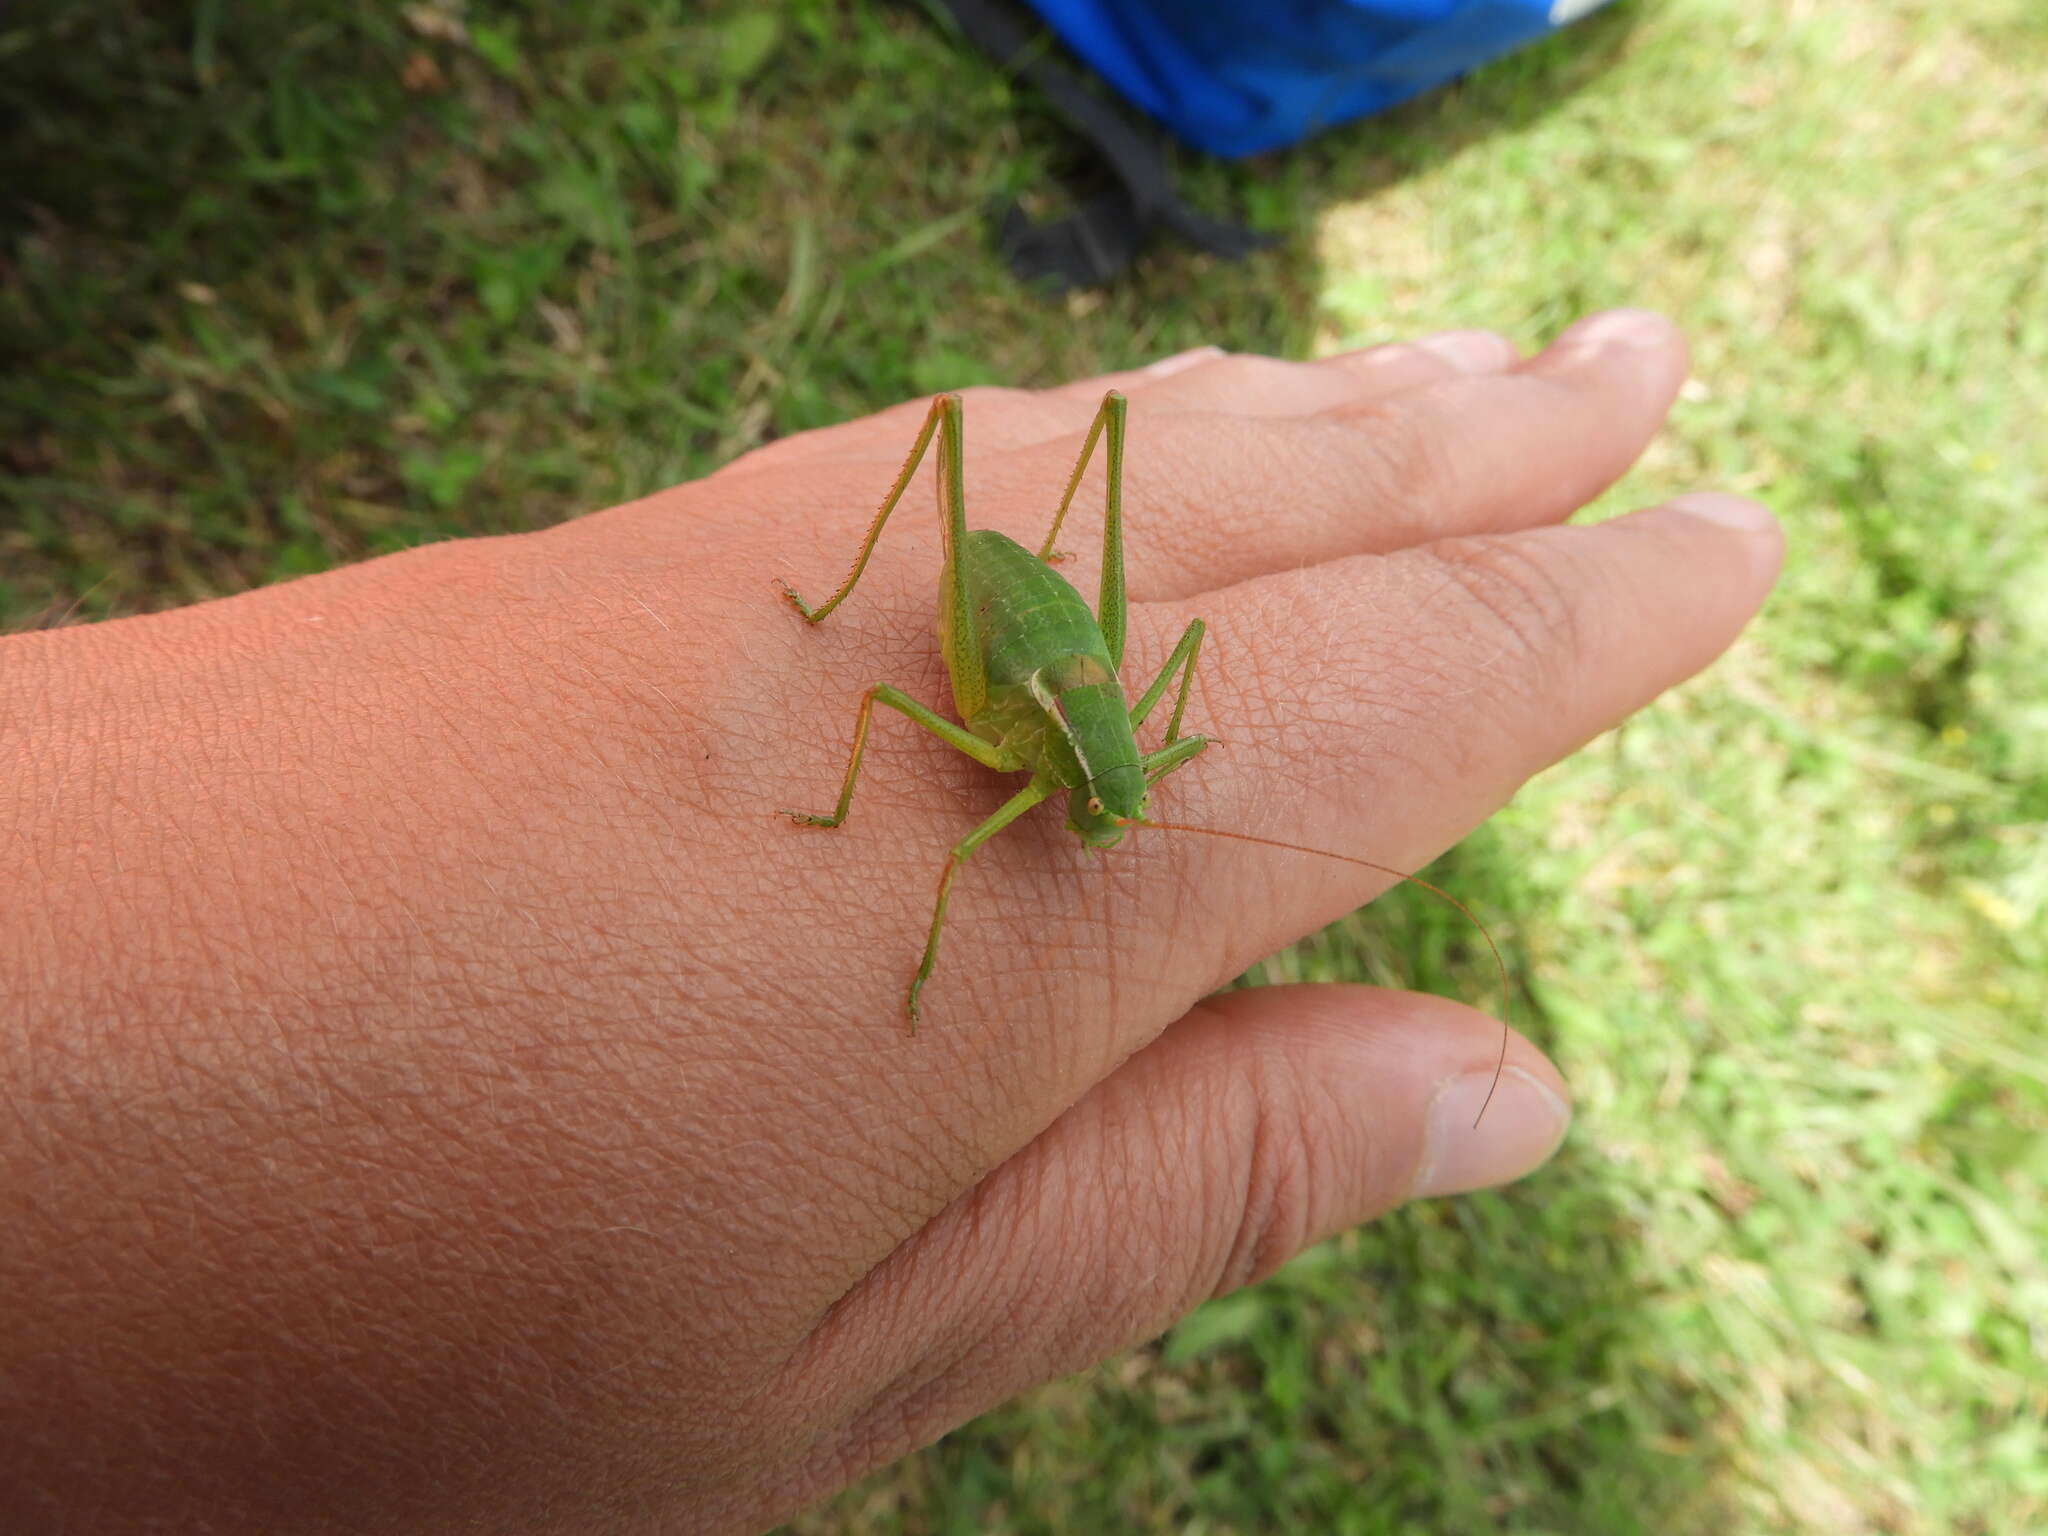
point(1232, 77)
point(1235, 78)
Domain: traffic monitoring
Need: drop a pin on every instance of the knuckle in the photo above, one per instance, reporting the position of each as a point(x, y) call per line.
point(1394, 357)
point(1402, 456)
point(1271, 1203)
point(1524, 605)
point(1334, 695)
point(1252, 373)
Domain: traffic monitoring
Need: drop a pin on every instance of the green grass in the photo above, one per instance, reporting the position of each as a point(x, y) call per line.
point(265, 306)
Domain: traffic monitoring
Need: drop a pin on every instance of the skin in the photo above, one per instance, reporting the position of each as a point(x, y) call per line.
point(442, 1095)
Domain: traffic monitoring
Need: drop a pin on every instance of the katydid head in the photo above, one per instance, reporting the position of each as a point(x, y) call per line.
point(1100, 809)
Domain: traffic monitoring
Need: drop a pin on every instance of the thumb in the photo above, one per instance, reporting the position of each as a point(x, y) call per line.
point(1260, 1123)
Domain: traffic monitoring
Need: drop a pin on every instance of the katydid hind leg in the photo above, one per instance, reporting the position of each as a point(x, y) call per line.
point(959, 631)
point(1046, 552)
point(943, 417)
point(1110, 603)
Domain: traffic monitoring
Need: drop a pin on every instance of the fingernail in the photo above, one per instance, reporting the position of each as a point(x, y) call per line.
point(1729, 511)
point(1180, 360)
point(1521, 1128)
point(1470, 351)
point(1633, 330)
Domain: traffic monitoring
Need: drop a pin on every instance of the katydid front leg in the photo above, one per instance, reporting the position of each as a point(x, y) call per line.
point(1183, 660)
point(1178, 748)
point(1158, 765)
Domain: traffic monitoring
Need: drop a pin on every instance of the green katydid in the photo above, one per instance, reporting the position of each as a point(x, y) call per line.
point(1035, 675)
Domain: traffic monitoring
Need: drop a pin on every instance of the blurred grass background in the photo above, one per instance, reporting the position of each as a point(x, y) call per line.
point(282, 286)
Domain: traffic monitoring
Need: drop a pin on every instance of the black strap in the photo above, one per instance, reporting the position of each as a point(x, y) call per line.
point(1091, 245)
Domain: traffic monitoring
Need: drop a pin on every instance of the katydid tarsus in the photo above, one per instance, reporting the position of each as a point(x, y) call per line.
point(1035, 676)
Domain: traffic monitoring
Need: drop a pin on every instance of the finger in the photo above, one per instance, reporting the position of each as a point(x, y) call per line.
point(1261, 1123)
point(1217, 497)
point(1209, 379)
point(1205, 378)
point(1385, 707)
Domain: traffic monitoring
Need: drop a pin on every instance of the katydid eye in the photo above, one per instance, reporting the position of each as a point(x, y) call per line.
point(1094, 806)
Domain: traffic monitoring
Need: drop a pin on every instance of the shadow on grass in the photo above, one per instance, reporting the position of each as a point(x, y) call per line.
point(1479, 1365)
point(291, 286)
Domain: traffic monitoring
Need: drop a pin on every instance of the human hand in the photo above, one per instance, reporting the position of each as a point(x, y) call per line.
point(483, 1110)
